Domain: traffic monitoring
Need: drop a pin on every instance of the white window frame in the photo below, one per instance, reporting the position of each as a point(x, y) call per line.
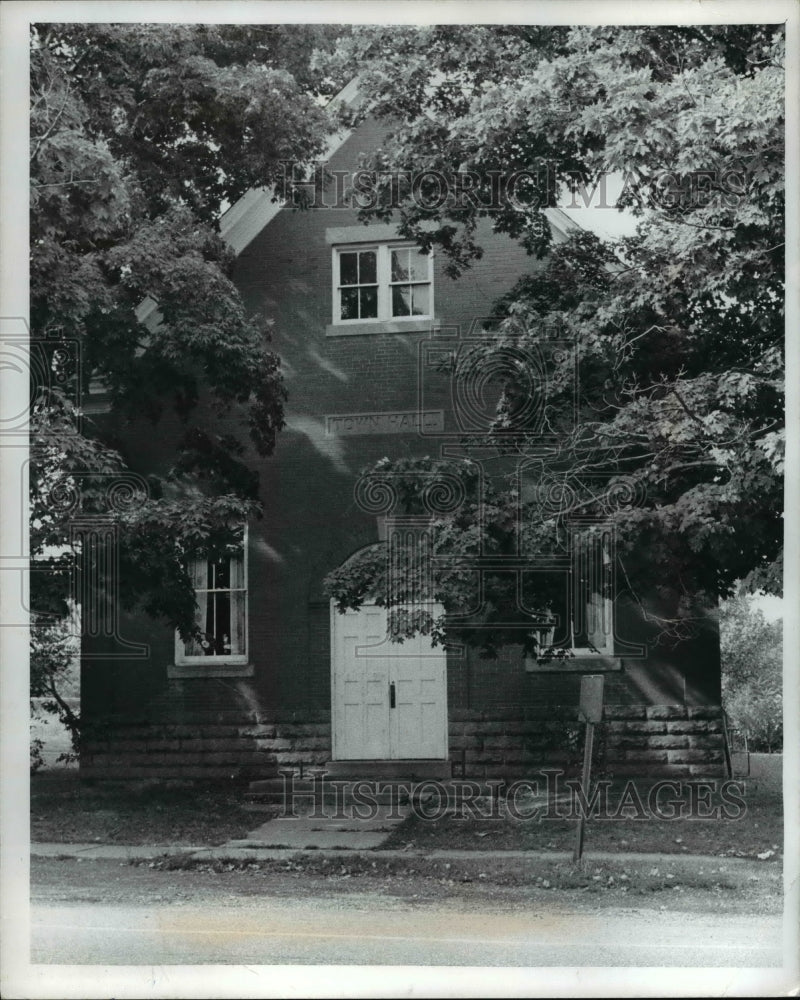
point(236, 663)
point(383, 251)
point(597, 607)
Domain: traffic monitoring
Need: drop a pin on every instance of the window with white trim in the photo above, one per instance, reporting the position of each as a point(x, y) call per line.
point(581, 604)
point(381, 282)
point(220, 586)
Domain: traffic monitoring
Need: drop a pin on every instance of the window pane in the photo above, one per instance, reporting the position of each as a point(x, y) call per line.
point(349, 303)
point(221, 575)
point(219, 630)
point(368, 272)
point(193, 648)
point(203, 570)
point(369, 303)
point(205, 645)
point(417, 266)
point(420, 298)
point(401, 300)
point(348, 268)
point(400, 266)
point(236, 636)
point(409, 265)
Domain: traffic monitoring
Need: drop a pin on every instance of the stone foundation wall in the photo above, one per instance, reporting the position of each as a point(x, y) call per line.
point(678, 740)
point(655, 740)
point(221, 746)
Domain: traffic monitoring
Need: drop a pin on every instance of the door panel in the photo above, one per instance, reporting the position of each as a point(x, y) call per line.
point(360, 685)
point(419, 722)
point(365, 664)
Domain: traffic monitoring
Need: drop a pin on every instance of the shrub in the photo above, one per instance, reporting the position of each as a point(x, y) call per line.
point(752, 673)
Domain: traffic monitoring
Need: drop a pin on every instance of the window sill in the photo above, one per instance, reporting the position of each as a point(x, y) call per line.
point(581, 663)
point(181, 671)
point(382, 326)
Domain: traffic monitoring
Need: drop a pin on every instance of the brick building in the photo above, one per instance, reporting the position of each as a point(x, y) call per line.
point(280, 676)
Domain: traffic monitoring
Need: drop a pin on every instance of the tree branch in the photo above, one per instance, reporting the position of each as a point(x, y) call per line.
point(52, 125)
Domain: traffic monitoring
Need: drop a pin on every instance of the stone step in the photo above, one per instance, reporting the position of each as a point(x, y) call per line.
point(304, 791)
point(359, 792)
point(304, 795)
point(411, 769)
point(384, 822)
point(276, 784)
point(329, 799)
point(272, 786)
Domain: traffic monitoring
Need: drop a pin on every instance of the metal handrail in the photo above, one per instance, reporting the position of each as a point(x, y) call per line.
point(726, 744)
point(729, 732)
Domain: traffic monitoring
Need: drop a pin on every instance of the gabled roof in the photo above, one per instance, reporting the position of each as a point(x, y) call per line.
point(243, 221)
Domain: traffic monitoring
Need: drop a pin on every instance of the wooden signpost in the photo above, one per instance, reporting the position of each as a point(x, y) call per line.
point(592, 667)
point(591, 711)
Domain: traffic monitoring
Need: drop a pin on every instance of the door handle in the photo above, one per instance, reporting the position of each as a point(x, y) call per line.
point(391, 695)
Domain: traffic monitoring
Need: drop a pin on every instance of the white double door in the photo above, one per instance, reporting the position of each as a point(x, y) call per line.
point(389, 700)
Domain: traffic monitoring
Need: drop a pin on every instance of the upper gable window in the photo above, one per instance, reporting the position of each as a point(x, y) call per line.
point(386, 282)
point(358, 284)
point(410, 282)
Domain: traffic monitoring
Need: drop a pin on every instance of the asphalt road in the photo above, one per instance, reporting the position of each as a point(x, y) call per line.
point(111, 913)
point(362, 928)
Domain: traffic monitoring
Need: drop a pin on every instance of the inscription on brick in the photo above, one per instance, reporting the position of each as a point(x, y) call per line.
point(397, 422)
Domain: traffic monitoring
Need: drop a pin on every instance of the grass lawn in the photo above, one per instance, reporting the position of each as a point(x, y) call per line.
point(756, 830)
point(64, 810)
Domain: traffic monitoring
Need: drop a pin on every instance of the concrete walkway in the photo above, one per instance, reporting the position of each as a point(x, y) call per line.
point(95, 852)
point(252, 851)
point(320, 833)
point(276, 837)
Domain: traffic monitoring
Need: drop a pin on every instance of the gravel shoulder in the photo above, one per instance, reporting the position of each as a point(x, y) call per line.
point(486, 883)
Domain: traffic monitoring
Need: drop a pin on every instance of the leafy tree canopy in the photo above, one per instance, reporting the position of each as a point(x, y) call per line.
point(678, 330)
point(141, 135)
